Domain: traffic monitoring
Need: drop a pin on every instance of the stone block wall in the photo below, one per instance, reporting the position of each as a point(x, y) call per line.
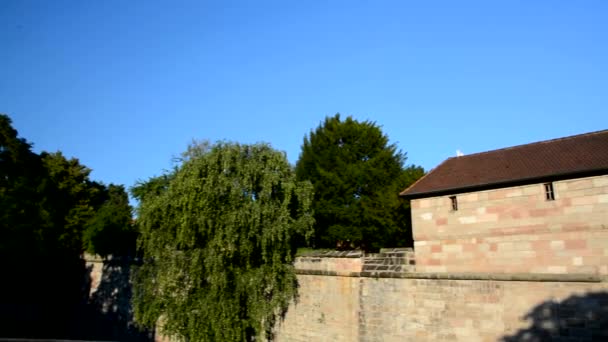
point(108, 315)
point(327, 310)
point(331, 262)
point(352, 306)
point(94, 264)
point(516, 230)
point(339, 300)
point(390, 262)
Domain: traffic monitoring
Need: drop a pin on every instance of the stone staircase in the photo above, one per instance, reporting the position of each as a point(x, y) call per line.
point(390, 261)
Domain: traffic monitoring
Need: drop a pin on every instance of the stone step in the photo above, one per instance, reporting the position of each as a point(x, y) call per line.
point(390, 260)
point(398, 250)
point(385, 268)
point(387, 261)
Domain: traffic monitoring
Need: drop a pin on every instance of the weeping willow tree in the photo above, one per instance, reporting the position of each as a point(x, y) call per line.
point(217, 244)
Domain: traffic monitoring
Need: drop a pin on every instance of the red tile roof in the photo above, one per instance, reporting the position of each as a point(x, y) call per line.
point(552, 159)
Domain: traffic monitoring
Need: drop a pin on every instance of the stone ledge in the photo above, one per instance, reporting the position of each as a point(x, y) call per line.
point(328, 273)
point(397, 250)
point(536, 277)
point(333, 254)
point(91, 258)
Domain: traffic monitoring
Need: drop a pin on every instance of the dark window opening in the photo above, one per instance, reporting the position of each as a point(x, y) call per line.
point(454, 203)
point(549, 193)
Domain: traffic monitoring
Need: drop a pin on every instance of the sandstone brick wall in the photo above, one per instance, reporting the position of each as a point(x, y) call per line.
point(465, 310)
point(108, 315)
point(516, 230)
point(433, 307)
point(337, 302)
point(334, 262)
point(389, 262)
point(95, 266)
point(327, 310)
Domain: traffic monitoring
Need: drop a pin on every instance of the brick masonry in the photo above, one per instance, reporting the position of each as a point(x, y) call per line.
point(390, 262)
point(515, 229)
point(350, 296)
point(357, 306)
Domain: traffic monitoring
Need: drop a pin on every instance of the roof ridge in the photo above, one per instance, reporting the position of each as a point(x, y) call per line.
point(531, 143)
point(547, 159)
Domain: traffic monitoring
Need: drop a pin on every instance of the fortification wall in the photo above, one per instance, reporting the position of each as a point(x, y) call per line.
point(343, 304)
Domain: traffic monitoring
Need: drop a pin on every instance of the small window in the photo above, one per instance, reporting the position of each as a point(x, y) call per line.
point(549, 193)
point(454, 203)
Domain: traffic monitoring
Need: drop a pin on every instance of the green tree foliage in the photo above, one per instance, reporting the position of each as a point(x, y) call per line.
point(357, 176)
point(85, 215)
point(47, 203)
point(39, 257)
point(217, 243)
point(110, 230)
point(21, 171)
point(68, 195)
point(49, 206)
point(151, 188)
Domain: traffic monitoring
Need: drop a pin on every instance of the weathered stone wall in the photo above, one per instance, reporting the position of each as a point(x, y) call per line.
point(389, 262)
point(331, 262)
point(108, 314)
point(516, 230)
point(404, 306)
point(94, 265)
point(349, 296)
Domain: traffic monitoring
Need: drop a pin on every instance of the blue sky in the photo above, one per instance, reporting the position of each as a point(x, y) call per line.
point(125, 85)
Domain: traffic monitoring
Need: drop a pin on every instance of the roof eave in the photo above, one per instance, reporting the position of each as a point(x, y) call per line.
point(488, 186)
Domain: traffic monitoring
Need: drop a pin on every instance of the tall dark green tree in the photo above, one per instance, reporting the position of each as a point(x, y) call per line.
point(46, 204)
point(24, 220)
point(22, 217)
point(357, 175)
point(217, 243)
point(39, 237)
point(68, 199)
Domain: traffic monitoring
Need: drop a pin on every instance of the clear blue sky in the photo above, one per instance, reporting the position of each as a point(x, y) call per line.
point(125, 85)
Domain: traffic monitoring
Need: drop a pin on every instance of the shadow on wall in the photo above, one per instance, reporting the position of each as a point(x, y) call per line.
point(48, 298)
point(108, 315)
point(576, 318)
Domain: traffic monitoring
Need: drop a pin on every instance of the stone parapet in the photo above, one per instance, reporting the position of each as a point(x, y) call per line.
point(388, 262)
point(535, 277)
point(334, 262)
point(448, 307)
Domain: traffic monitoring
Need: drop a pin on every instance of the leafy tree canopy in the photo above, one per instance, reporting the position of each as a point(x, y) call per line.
point(151, 188)
point(21, 172)
point(217, 243)
point(357, 175)
point(50, 211)
point(110, 230)
point(50, 207)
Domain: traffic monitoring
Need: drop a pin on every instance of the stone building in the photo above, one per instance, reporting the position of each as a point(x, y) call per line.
point(510, 245)
point(534, 208)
